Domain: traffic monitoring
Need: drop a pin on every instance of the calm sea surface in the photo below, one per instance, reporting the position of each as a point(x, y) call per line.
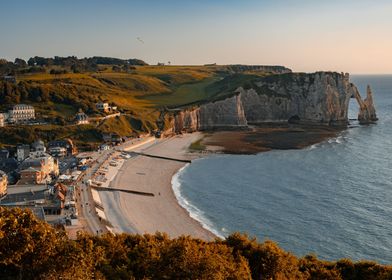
point(333, 199)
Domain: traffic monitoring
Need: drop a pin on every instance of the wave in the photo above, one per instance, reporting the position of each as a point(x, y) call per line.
point(337, 140)
point(314, 146)
point(194, 212)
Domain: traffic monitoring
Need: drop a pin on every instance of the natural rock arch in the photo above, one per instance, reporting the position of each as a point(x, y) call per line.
point(367, 111)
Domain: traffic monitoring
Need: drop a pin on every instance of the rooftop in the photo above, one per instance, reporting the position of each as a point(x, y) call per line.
point(30, 169)
point(27, 195)
point(22, 106)
point(16, 189)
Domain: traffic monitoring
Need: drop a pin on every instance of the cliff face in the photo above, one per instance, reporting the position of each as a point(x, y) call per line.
point(318, 98)
point(224, 114)
point(367, 111)
point(321, 97)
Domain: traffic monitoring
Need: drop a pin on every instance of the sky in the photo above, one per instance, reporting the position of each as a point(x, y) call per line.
point(305, 35)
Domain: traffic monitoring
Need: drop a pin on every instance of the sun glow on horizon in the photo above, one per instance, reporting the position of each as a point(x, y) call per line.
point(349, 36)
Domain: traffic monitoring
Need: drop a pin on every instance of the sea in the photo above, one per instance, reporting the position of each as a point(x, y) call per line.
point(332, 199)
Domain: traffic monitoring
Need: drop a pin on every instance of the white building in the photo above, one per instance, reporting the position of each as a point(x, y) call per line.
point(2, 120)
point(21, 113)
point(58, 151)
point(22, 151)
point(38, 147)
point(81, 118)
point(104, 147)
point(102, 106)
point(105, 107)
point(3, 183)
point(38, 168)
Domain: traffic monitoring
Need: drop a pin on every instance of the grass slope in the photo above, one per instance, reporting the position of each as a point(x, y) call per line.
point(139, 93)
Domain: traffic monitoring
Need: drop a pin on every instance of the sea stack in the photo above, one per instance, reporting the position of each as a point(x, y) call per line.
point(367, 111)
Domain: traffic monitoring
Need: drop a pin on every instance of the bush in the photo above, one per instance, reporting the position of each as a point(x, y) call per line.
point(31, 249)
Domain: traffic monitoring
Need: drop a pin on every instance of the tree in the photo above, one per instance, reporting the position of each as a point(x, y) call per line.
point(60, 120)
point(267, 260)
point(31, 249)
point(26, 243)
point(45, 97)
point(31, 61)
point(116, 68)
point(20, 62)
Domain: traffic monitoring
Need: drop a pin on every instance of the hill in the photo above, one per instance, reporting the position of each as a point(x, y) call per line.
point(59, 87)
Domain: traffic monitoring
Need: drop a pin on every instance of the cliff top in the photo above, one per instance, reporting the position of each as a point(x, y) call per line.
point(58, 87)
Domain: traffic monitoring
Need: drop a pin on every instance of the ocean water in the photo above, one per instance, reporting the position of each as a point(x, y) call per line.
point(333, 199)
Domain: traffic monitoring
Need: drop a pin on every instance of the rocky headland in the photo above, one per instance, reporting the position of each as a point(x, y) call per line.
point(307, 107)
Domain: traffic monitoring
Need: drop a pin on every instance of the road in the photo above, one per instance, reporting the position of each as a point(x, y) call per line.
point(86, 205)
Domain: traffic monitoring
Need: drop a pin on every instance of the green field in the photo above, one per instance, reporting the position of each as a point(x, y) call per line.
point(140, 95)
point(183, 94)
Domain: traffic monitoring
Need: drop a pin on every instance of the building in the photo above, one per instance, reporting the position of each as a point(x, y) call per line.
point(33, 196)
point(81, 118)
point(38, 168)
point(22, 151)
point(58, 151)
point(105, 107)
point(61, 193)
point(21, 113)
point(3, 183)
point(2, 120)
point(104, 147)
point(38, 147)
point(65, 143)
point(9, 78)
point(31, 175)
point(4, 154)
point(112, 137)
point(102, 107)
point(8, 165)
point(107, 137)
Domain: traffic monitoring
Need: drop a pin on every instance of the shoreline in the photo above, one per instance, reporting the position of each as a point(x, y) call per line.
point(167, 210)
point(163, 212)
point(194, 213)
point(264, 138)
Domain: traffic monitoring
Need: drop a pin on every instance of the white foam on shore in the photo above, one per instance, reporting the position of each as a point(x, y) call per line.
point(312, 147)
point(337, 140)
point(194, 212)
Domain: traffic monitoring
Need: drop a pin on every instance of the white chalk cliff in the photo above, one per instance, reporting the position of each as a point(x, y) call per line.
point(320, 98)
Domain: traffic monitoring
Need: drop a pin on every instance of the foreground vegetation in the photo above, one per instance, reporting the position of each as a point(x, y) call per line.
point(31, 249)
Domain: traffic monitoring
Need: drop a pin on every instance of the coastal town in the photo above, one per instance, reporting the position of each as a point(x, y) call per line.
point(232, 140)
point(23, 114)
point(56, 181)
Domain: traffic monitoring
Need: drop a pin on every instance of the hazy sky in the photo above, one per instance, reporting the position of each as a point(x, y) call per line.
point(305, 35)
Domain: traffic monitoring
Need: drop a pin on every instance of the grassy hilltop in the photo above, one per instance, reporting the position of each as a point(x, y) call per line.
point(59, 87)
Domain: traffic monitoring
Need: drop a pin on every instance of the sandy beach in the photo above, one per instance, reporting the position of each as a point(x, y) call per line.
point(133, 213)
